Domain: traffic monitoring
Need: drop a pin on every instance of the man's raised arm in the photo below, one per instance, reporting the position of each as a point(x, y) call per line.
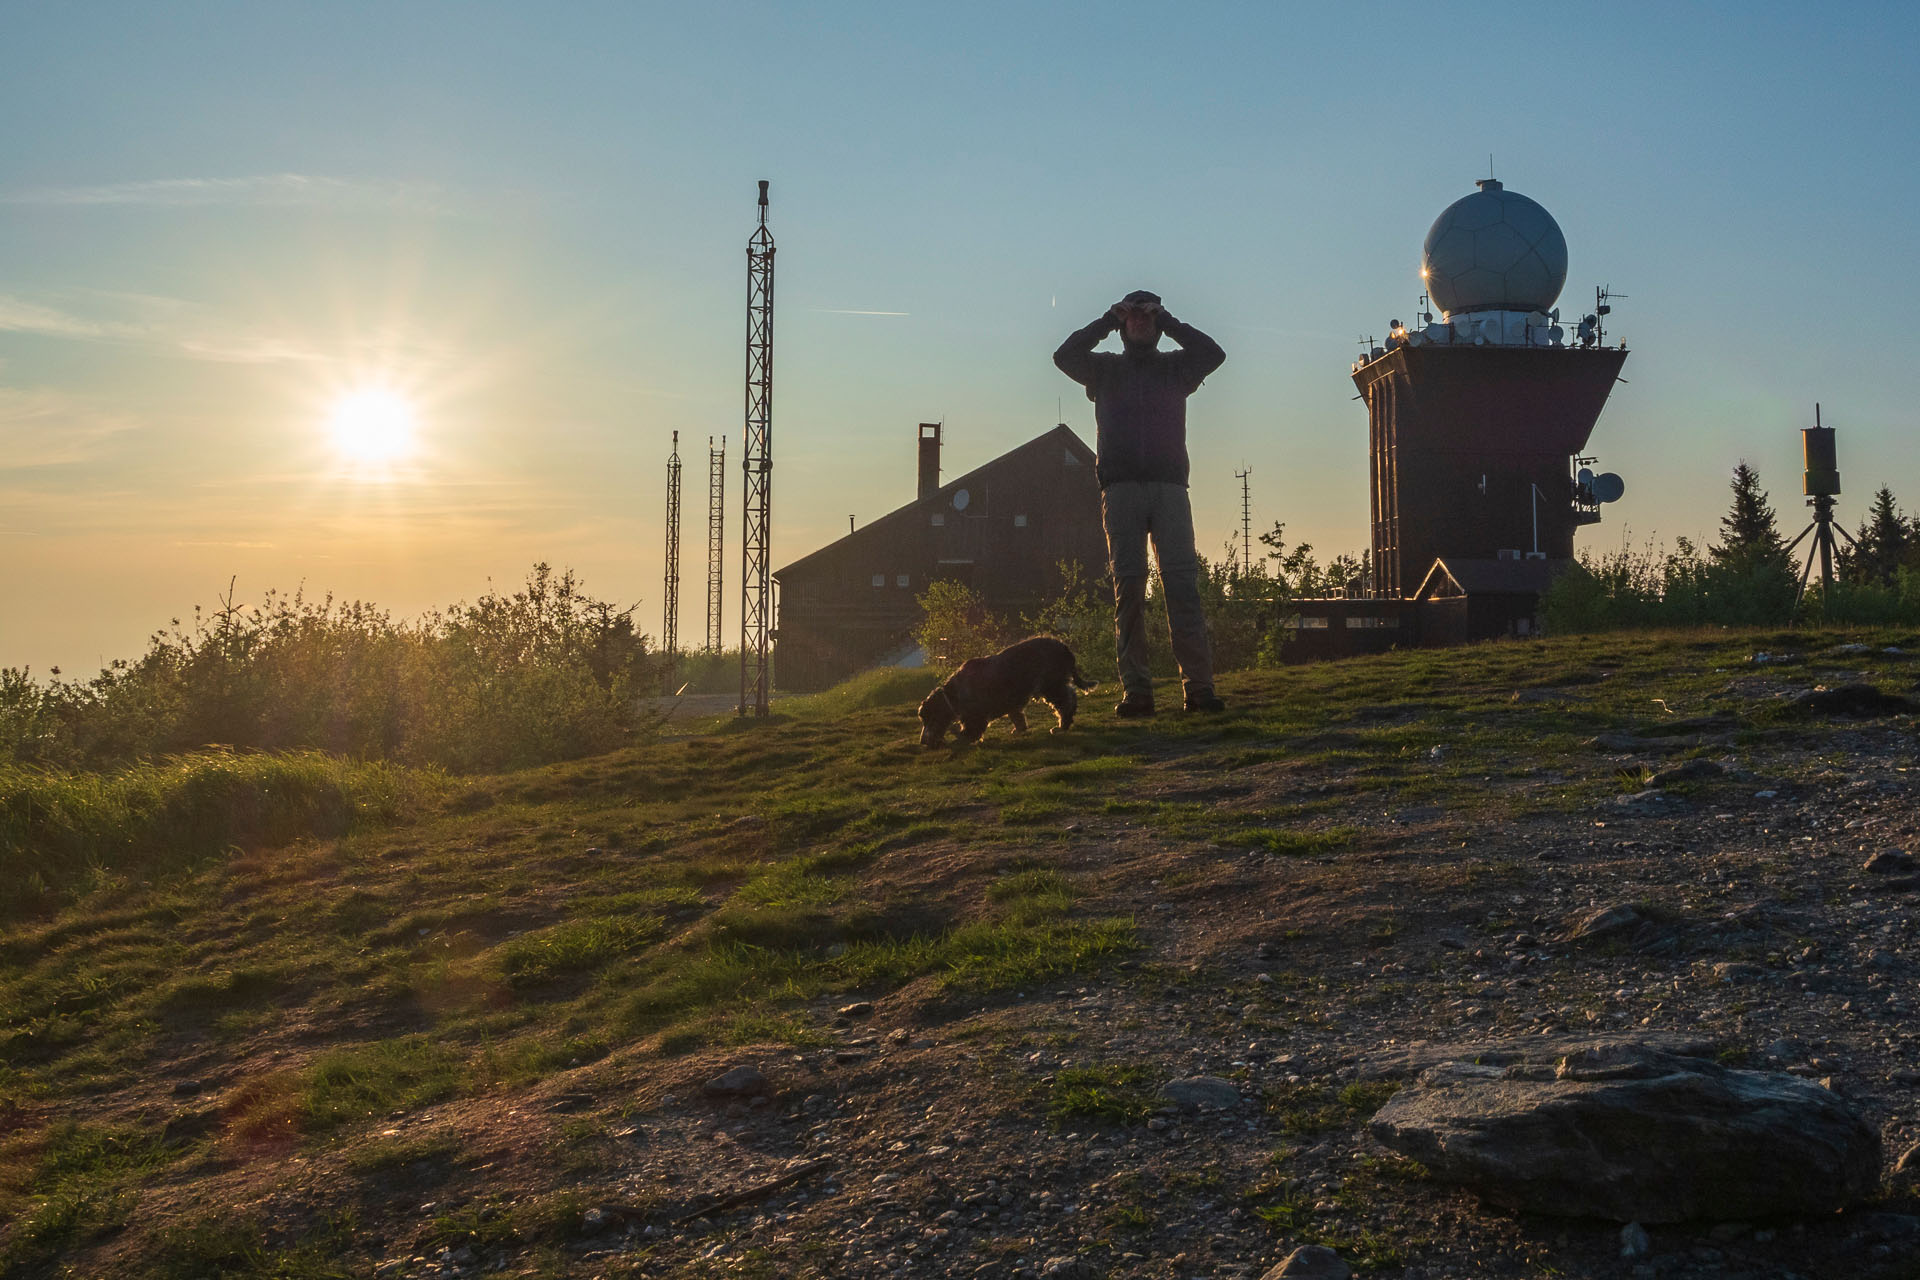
point(1075, 356)
point(1199, 354)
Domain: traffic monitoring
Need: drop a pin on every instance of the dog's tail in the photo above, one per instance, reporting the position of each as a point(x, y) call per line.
point(1080, 682)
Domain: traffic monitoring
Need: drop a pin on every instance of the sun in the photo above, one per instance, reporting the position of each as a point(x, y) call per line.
point(373, 425)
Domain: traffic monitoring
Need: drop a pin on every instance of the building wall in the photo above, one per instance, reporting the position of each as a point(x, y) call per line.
point(848, 605)
point(1459, 437)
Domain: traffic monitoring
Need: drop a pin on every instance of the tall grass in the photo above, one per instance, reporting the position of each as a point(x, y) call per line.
point(66, 831)
point(546, 673)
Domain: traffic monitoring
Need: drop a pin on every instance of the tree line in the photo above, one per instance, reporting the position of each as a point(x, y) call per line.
point(1748, 577)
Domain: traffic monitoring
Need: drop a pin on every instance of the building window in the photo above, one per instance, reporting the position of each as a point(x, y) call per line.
point(939, 518)
point(1358, 624)
point(879, 579)
point(1308, 623)
point(901, 581)
point(1019, 522)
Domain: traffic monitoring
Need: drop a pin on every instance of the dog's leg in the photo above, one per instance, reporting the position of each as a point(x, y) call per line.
point(1019, 719)
point(1064, 703)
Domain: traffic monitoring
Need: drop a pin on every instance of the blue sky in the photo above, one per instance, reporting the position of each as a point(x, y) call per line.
point(217, 219)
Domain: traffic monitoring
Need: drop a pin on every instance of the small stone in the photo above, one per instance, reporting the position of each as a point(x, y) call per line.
point(1067, 1267)
point(1158, 1124)
point(858, 1009)
point(1264, 979)
point(1735, 972)
point(187, 1088)
point(595, 1220)
point(1908, 1165)
point(737, 1082)
point(1634, 1242)
point(1888, 862)
point(1202, 1093)
point(1311, 1262)
point(1604, 922)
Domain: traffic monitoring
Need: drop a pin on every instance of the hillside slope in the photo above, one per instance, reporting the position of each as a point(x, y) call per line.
point(474, 1040)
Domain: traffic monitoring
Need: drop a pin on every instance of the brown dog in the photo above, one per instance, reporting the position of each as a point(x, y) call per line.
point(984, 689)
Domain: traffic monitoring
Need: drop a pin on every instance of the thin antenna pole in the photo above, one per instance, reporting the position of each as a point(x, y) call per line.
point(716, 538)
point(670, 625)
point(1246, 520)
point(756, 586)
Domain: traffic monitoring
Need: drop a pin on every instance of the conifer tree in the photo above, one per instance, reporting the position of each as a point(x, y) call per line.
point(1884, 542)
point(1749, 536)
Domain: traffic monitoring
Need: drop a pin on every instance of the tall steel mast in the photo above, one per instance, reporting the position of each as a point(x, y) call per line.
point(716, 537)
point(756, 586)
point(670, 625)
point(1246, 520)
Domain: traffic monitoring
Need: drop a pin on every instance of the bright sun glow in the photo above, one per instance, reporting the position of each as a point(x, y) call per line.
point(372, 425)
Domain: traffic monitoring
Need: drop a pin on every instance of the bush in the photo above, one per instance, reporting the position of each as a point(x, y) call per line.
point(956, 626)
point(1651, 587)
point(544, 674)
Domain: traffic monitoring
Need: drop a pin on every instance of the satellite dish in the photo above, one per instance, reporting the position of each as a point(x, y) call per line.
point(1584, 478)
point(1607, 487)
point(960, 499)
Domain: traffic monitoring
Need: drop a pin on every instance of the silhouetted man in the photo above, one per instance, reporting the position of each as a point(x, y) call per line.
point(1140, 406)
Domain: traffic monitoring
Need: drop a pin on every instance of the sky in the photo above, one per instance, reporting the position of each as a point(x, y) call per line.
point(525, 226)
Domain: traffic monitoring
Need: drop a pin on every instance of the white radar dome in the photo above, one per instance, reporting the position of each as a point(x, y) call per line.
point(1494, 250)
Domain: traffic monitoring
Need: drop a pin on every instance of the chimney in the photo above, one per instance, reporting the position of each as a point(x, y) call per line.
point(929, 459)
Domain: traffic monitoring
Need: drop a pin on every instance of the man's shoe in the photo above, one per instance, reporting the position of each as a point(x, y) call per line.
point(1205, 702)
point(1132, 708)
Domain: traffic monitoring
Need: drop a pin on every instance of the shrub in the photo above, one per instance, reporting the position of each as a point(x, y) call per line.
point(543, 674)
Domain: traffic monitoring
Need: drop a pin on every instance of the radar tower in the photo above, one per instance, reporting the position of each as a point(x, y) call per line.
point(756, 586)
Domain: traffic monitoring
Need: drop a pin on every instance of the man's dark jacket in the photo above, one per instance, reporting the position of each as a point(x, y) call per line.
point(1140, 397)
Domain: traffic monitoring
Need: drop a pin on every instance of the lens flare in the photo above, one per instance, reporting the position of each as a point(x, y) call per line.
point(373, 425)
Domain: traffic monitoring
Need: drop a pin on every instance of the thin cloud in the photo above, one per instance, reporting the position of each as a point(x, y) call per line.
point(186, 328)
point(275, 190)
point(44, 428)
point(20, 316)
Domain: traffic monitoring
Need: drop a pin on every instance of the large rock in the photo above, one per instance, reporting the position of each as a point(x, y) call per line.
point(1635, 1134)
point(738, 1082)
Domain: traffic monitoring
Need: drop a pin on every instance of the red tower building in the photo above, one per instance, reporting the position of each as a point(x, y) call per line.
point(1477, 420)
point(1471, 451)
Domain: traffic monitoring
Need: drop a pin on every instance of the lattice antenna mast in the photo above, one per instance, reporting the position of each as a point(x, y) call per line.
point(756, 586)
point(716, 537)
point(1246, 520)
point(670, 626)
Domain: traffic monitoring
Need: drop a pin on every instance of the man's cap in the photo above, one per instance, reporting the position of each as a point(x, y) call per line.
point(1140, 298)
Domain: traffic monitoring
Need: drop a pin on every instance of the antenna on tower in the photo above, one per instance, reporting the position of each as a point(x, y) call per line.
point(716, 537)
point(670, 625)
point(756, 586)
point(1246, 520)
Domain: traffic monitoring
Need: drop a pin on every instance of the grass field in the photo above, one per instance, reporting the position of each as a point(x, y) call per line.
point(243, 999)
